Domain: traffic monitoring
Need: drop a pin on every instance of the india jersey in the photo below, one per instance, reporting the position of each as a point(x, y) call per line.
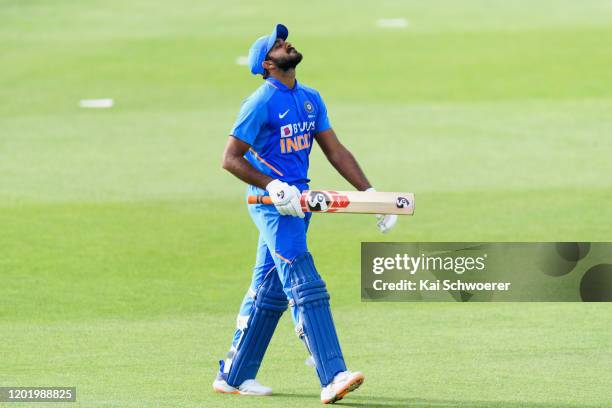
point(279, 123)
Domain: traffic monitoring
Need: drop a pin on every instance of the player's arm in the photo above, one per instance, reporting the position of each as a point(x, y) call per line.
point(233, 161)
point(286, 198)
point(342, 159)
point(346, 164)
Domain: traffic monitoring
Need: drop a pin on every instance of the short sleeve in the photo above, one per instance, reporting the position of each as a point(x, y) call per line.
point(251, 118)
point(322, 122)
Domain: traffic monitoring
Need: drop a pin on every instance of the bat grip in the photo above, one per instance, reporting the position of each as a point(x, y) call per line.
point(259, 199)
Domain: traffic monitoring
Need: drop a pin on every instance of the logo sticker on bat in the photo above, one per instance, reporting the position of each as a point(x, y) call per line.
point(402, 202)
point(318, 201)
point(324, 201)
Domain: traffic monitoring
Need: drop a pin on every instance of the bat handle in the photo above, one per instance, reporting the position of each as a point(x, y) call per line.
point(259, 199)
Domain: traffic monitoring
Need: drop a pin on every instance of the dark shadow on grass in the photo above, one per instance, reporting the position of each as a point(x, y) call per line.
point(356, 400)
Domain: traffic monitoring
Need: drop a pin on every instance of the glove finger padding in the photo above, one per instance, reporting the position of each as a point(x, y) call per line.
point(295, 203)
point(296, 209)
point(391, 221)
point(282, 209)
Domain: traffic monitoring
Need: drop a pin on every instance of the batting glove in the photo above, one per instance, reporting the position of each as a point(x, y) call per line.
point(285, 198)
point(384, 222)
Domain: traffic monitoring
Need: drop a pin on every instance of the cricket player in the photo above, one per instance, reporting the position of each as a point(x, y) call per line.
point(268, 148)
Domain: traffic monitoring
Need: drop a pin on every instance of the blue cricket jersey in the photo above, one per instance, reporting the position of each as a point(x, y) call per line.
point(279, 123)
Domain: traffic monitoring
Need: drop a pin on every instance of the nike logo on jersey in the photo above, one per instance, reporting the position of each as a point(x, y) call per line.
point(282, 115)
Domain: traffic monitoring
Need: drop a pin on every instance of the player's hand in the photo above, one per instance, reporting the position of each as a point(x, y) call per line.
point(286, 198)
point(386, 222)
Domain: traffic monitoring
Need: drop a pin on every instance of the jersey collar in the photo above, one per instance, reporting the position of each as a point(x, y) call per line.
point(280, 86)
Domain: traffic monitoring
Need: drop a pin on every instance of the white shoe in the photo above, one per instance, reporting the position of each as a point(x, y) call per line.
point(342, 384)
point(248, 387)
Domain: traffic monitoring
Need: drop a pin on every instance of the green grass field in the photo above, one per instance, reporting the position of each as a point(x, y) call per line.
point(125, 249)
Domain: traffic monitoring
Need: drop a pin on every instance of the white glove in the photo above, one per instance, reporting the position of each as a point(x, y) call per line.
point(385, 222)
point(286, 198)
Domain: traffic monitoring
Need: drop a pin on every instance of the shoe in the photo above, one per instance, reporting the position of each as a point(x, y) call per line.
point(248, 387)
point(342, 384)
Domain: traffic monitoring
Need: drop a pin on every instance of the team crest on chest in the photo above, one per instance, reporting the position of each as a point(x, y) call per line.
point(308, 106)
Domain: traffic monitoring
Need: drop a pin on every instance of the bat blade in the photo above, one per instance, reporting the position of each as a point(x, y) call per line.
point(360, 202)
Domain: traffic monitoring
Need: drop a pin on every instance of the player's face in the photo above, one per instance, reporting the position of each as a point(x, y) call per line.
point(283, 55)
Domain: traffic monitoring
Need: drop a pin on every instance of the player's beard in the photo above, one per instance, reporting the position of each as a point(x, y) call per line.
point(287, 62)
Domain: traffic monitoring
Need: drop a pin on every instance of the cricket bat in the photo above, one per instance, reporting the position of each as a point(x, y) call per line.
point(350, 202)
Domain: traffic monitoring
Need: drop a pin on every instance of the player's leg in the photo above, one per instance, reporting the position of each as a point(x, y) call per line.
point(286, 240)
point(317, 328)
point(260, 311)
point(263, 264)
